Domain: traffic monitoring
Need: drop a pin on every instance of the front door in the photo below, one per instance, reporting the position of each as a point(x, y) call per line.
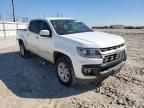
point(44, 43)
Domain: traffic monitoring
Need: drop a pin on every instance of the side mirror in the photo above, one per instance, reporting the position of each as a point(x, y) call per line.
point(45, 33)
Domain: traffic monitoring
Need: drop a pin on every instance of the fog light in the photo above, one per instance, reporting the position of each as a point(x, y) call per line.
point(89, 70)
point(86, 71)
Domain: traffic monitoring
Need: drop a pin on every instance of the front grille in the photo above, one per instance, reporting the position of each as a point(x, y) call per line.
point(111, 48)
point(113, 57)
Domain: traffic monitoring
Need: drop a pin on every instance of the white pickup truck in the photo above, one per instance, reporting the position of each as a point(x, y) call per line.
point(78, 52)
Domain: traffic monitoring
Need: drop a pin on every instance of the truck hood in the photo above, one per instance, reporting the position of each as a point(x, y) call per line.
point(96, 39)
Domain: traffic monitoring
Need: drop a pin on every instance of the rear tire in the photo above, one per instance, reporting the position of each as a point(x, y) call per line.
point(23, 52)
point(65, 71)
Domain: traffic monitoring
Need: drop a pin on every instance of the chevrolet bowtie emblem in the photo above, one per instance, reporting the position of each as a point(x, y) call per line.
point(118, 51)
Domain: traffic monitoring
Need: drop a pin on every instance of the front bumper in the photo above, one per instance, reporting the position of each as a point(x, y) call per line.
point(95, 69)
point(113, 70)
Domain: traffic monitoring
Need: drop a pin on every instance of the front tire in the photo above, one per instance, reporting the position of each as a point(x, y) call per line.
point(65, 71)
point(23, 52)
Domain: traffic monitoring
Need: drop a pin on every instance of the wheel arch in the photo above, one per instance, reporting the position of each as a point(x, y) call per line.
point(58, 54)
point(24, 42)
point(20, 41)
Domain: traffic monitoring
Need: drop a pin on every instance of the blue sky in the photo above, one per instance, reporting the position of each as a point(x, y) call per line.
point(93, 12)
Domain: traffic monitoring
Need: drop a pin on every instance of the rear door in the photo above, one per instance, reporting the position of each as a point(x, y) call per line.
point(33, 35)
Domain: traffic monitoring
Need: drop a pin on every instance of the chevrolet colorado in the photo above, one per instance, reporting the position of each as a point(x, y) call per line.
point(78, 51)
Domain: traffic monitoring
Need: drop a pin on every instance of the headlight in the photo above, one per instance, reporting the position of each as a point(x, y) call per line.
point(89, 52)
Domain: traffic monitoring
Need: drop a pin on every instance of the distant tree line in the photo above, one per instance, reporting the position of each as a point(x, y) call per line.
point(134, 27)
point(118, 27)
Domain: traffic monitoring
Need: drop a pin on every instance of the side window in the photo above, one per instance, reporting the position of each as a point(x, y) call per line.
point(34, 26)
point(43, 25)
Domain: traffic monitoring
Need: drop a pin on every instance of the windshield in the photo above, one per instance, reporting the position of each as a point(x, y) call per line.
point(63, 27)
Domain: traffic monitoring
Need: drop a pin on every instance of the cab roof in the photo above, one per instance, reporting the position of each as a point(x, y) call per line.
point(58, 18)
point(53, 18)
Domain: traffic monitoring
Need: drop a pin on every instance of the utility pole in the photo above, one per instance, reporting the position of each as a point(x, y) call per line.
point(0, 16)
point(13, 11)
point(61, 15)
point(57, 14)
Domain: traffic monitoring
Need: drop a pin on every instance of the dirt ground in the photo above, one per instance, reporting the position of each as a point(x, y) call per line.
point(32, 83)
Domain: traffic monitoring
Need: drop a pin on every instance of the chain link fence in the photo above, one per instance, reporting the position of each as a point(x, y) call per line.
point(8, 29)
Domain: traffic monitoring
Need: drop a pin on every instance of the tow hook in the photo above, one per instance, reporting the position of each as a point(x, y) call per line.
point(98, 85)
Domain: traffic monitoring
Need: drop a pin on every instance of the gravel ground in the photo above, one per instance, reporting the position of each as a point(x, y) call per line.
point(32, 83)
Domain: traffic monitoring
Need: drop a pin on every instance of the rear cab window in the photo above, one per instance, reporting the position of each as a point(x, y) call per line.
point(34, 26)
